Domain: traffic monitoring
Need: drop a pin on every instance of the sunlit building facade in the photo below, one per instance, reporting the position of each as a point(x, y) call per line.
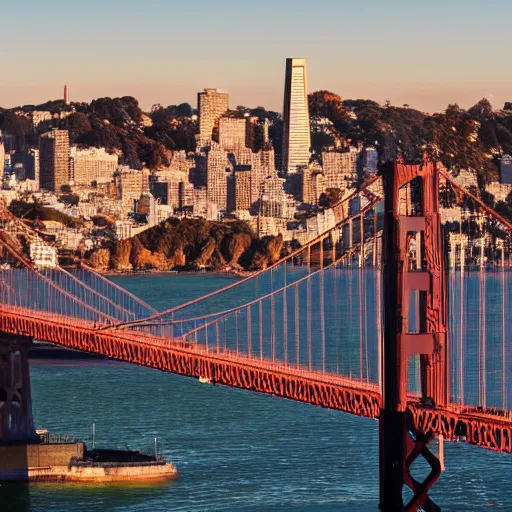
point(296, 130)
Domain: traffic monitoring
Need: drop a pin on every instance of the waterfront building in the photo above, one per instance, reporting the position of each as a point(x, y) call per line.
point(211, 105)
point(296, 129)
point(54, 160)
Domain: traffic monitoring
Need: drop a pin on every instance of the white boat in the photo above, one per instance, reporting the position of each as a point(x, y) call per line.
point(204, 380)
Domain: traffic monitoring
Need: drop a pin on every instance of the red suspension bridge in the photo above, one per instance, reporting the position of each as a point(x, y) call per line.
point(398, 312)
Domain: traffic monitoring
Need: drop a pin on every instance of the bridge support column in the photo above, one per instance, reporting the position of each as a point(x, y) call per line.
point(402, 278)
point(16, 422)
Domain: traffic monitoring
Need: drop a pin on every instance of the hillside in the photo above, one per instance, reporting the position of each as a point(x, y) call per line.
point(190, 244)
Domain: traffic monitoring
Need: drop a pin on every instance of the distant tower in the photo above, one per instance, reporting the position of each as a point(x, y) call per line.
point(66, 94)
point(296, 131)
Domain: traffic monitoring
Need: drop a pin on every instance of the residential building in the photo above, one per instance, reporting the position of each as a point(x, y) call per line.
point(54, 160)
point(211, 105)
point(340, 168)
point(242, 199)
point(130, 185)
point(273, 198)
point(312, 184)
point(232, 133)
point(166, 191)
point(42, 119)
point(296, 129)
point(185, 194)
point(217, 171)
point(29, 158)
point(92, 164)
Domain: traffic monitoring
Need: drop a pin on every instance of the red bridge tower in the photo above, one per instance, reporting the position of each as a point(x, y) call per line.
point(400, 443)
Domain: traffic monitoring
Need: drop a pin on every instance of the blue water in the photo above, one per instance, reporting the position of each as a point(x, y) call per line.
point(235, 450)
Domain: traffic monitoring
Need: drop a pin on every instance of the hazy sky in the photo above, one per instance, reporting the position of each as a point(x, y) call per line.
point(426, 54)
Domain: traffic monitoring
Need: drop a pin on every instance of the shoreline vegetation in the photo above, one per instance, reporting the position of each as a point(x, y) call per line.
point(225, 272)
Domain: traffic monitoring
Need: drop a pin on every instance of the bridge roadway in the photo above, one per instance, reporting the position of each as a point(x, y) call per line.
point(487, 428)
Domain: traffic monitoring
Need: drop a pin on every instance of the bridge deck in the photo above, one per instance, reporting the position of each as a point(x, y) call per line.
point(489, 429)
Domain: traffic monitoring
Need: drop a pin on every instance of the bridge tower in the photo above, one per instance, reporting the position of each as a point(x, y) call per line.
point(424, 277)
point(16, 422)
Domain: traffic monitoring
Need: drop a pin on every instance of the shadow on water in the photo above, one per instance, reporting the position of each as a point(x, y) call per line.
point(15, 497)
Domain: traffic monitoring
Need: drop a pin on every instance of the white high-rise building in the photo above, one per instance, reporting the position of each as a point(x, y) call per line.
point(296, 131)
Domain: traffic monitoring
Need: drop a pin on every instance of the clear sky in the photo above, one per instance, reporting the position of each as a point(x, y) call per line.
point(426, 54)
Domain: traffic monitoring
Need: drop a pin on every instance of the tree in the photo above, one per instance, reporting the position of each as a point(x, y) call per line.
point(77, 124)
point(15, 124)
point(330, 197)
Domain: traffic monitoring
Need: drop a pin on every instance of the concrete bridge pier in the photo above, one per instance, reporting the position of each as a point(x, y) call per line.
point(16, 421)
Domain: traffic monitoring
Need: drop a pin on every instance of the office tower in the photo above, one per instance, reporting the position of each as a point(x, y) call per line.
point(296, 131)
point(54, 160)
point(211, 106)
point(232, 133)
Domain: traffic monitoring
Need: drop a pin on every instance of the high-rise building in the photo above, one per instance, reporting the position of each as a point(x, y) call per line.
point(232, 133)
point(242, 187)
point(217, 172)
point(54, 160)
point(296, 130)
point(211, 106)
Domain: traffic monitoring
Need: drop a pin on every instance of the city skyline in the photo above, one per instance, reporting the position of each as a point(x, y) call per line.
point(441, 53)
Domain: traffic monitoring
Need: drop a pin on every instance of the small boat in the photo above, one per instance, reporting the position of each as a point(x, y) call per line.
point(205, 380)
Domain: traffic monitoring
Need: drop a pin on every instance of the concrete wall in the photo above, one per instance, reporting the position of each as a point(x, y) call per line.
point(22, 457)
